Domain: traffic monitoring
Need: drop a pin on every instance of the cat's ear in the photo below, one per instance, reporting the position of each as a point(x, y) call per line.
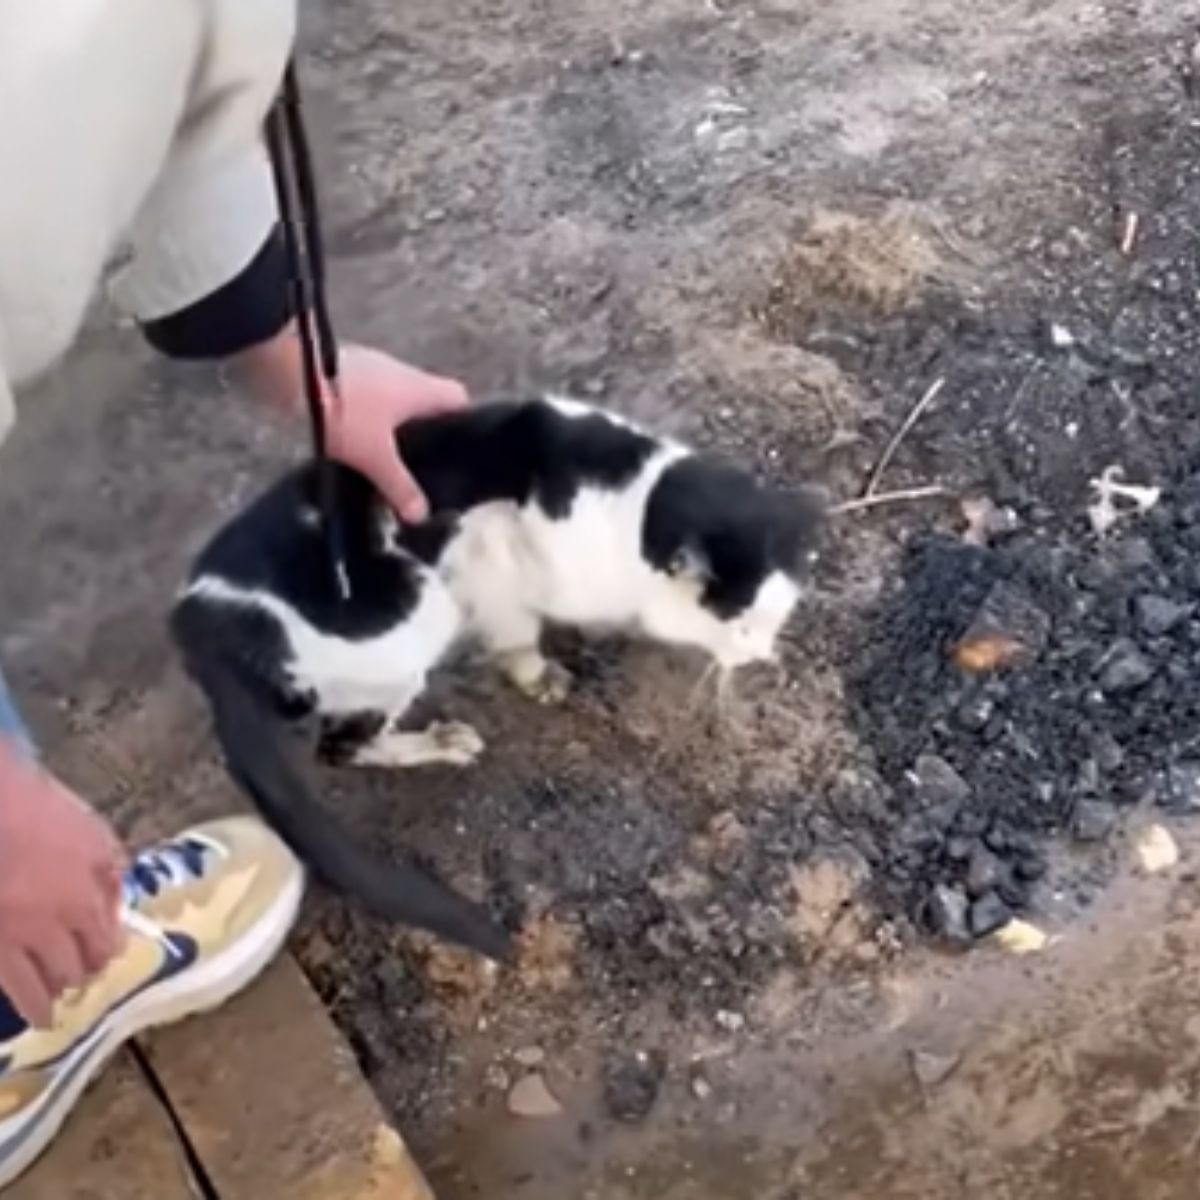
point(690, 563)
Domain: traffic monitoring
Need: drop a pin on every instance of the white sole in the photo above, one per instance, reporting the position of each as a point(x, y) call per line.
point(197, 990)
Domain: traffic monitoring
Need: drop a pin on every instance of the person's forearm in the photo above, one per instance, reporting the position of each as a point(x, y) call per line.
point(272, 371)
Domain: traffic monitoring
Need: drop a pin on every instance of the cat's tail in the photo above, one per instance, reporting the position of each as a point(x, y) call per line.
point(265, 758)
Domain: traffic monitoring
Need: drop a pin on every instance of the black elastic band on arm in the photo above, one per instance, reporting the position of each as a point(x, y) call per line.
point(251, 308)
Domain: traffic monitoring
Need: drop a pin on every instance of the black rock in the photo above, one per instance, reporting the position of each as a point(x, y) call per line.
point(946, 911)
point(1014, 892)
point(1179, 789)
point(1029, 867)
point(1021, 843)
point(1009, 612)
point(975, 711)
point(1134, 554)
point(631, 1084)
point(1108, 752)
point(1092, 820)
point(937, 783)
point(918, 833)
point(1124, 668)
point(1156, 615)
point(998, 838)
point(958, 849)
point(1087, 777)
point(988, 914)
point(985, 873)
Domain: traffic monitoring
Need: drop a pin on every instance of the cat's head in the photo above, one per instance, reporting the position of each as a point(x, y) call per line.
point(727, 555)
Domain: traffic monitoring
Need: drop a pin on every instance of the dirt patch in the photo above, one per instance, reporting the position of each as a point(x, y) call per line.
point(847, 267)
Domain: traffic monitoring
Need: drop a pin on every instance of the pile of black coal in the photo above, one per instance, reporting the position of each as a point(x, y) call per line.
point(1032, 689)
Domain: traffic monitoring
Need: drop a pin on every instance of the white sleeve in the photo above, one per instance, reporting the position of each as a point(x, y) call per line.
point(213, 206)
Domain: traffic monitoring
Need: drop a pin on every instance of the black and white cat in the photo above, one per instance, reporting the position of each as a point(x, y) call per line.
point(544, 511)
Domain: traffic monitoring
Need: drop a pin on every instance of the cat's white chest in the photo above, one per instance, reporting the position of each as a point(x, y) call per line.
point(590, 568)
point(583, 569)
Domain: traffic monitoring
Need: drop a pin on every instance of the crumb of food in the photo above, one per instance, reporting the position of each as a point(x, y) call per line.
point(1021, 937)
point(1156, 849)
point(982, 655)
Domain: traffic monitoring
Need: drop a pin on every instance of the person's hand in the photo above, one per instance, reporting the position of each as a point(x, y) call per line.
point(60, 889)
point(380, 393)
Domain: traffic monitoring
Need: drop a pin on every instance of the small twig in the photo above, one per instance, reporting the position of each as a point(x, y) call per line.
point(877, 498)
point(892, 446)
point(1129, 233)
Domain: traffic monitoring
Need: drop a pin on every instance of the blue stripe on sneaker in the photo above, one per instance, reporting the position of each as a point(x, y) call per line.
point(186, 953)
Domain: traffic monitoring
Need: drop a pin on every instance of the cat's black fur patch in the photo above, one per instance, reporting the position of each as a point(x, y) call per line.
point(340, 738)
point(737, 531)
point(502, 451)
point(253, 642)
point(519, 452)
point(277, 545)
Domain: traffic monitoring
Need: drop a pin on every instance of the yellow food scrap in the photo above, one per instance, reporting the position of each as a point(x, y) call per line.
point(1156, 849)
point(982, 655)
point(1021, 937)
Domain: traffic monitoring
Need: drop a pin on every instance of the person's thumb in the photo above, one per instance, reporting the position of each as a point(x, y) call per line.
point(401, 491)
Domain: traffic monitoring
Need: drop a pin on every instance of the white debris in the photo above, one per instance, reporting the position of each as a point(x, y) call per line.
point(731, 1022)
point(717, 116)
point(1021, 937)
point(932, 1069)
point(530, 1097)
point(1103, 512)
point(1061, 337)
point(985, 520)
point(1156, 849)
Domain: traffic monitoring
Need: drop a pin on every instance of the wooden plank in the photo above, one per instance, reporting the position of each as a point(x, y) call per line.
point(118, 1144)
point(273, 1102)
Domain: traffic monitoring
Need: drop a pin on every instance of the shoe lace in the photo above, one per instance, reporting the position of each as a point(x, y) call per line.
point(168, 865)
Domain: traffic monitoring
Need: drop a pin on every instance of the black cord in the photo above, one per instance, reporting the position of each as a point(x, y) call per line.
point(306, 185)
point(299, 220)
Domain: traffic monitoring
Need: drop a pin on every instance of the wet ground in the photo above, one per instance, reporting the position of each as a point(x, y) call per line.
point(773, 229)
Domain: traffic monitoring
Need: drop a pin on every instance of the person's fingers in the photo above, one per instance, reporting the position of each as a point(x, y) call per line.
point(400, 489)
point(98, 946)
point(21, 981)
point(59, 959)
point(101, 937)
point(110, 879)
point(450, 395)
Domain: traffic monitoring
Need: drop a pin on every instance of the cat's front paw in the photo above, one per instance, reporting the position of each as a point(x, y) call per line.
point(457, 743)
point(538, 677)
point(552, 686)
